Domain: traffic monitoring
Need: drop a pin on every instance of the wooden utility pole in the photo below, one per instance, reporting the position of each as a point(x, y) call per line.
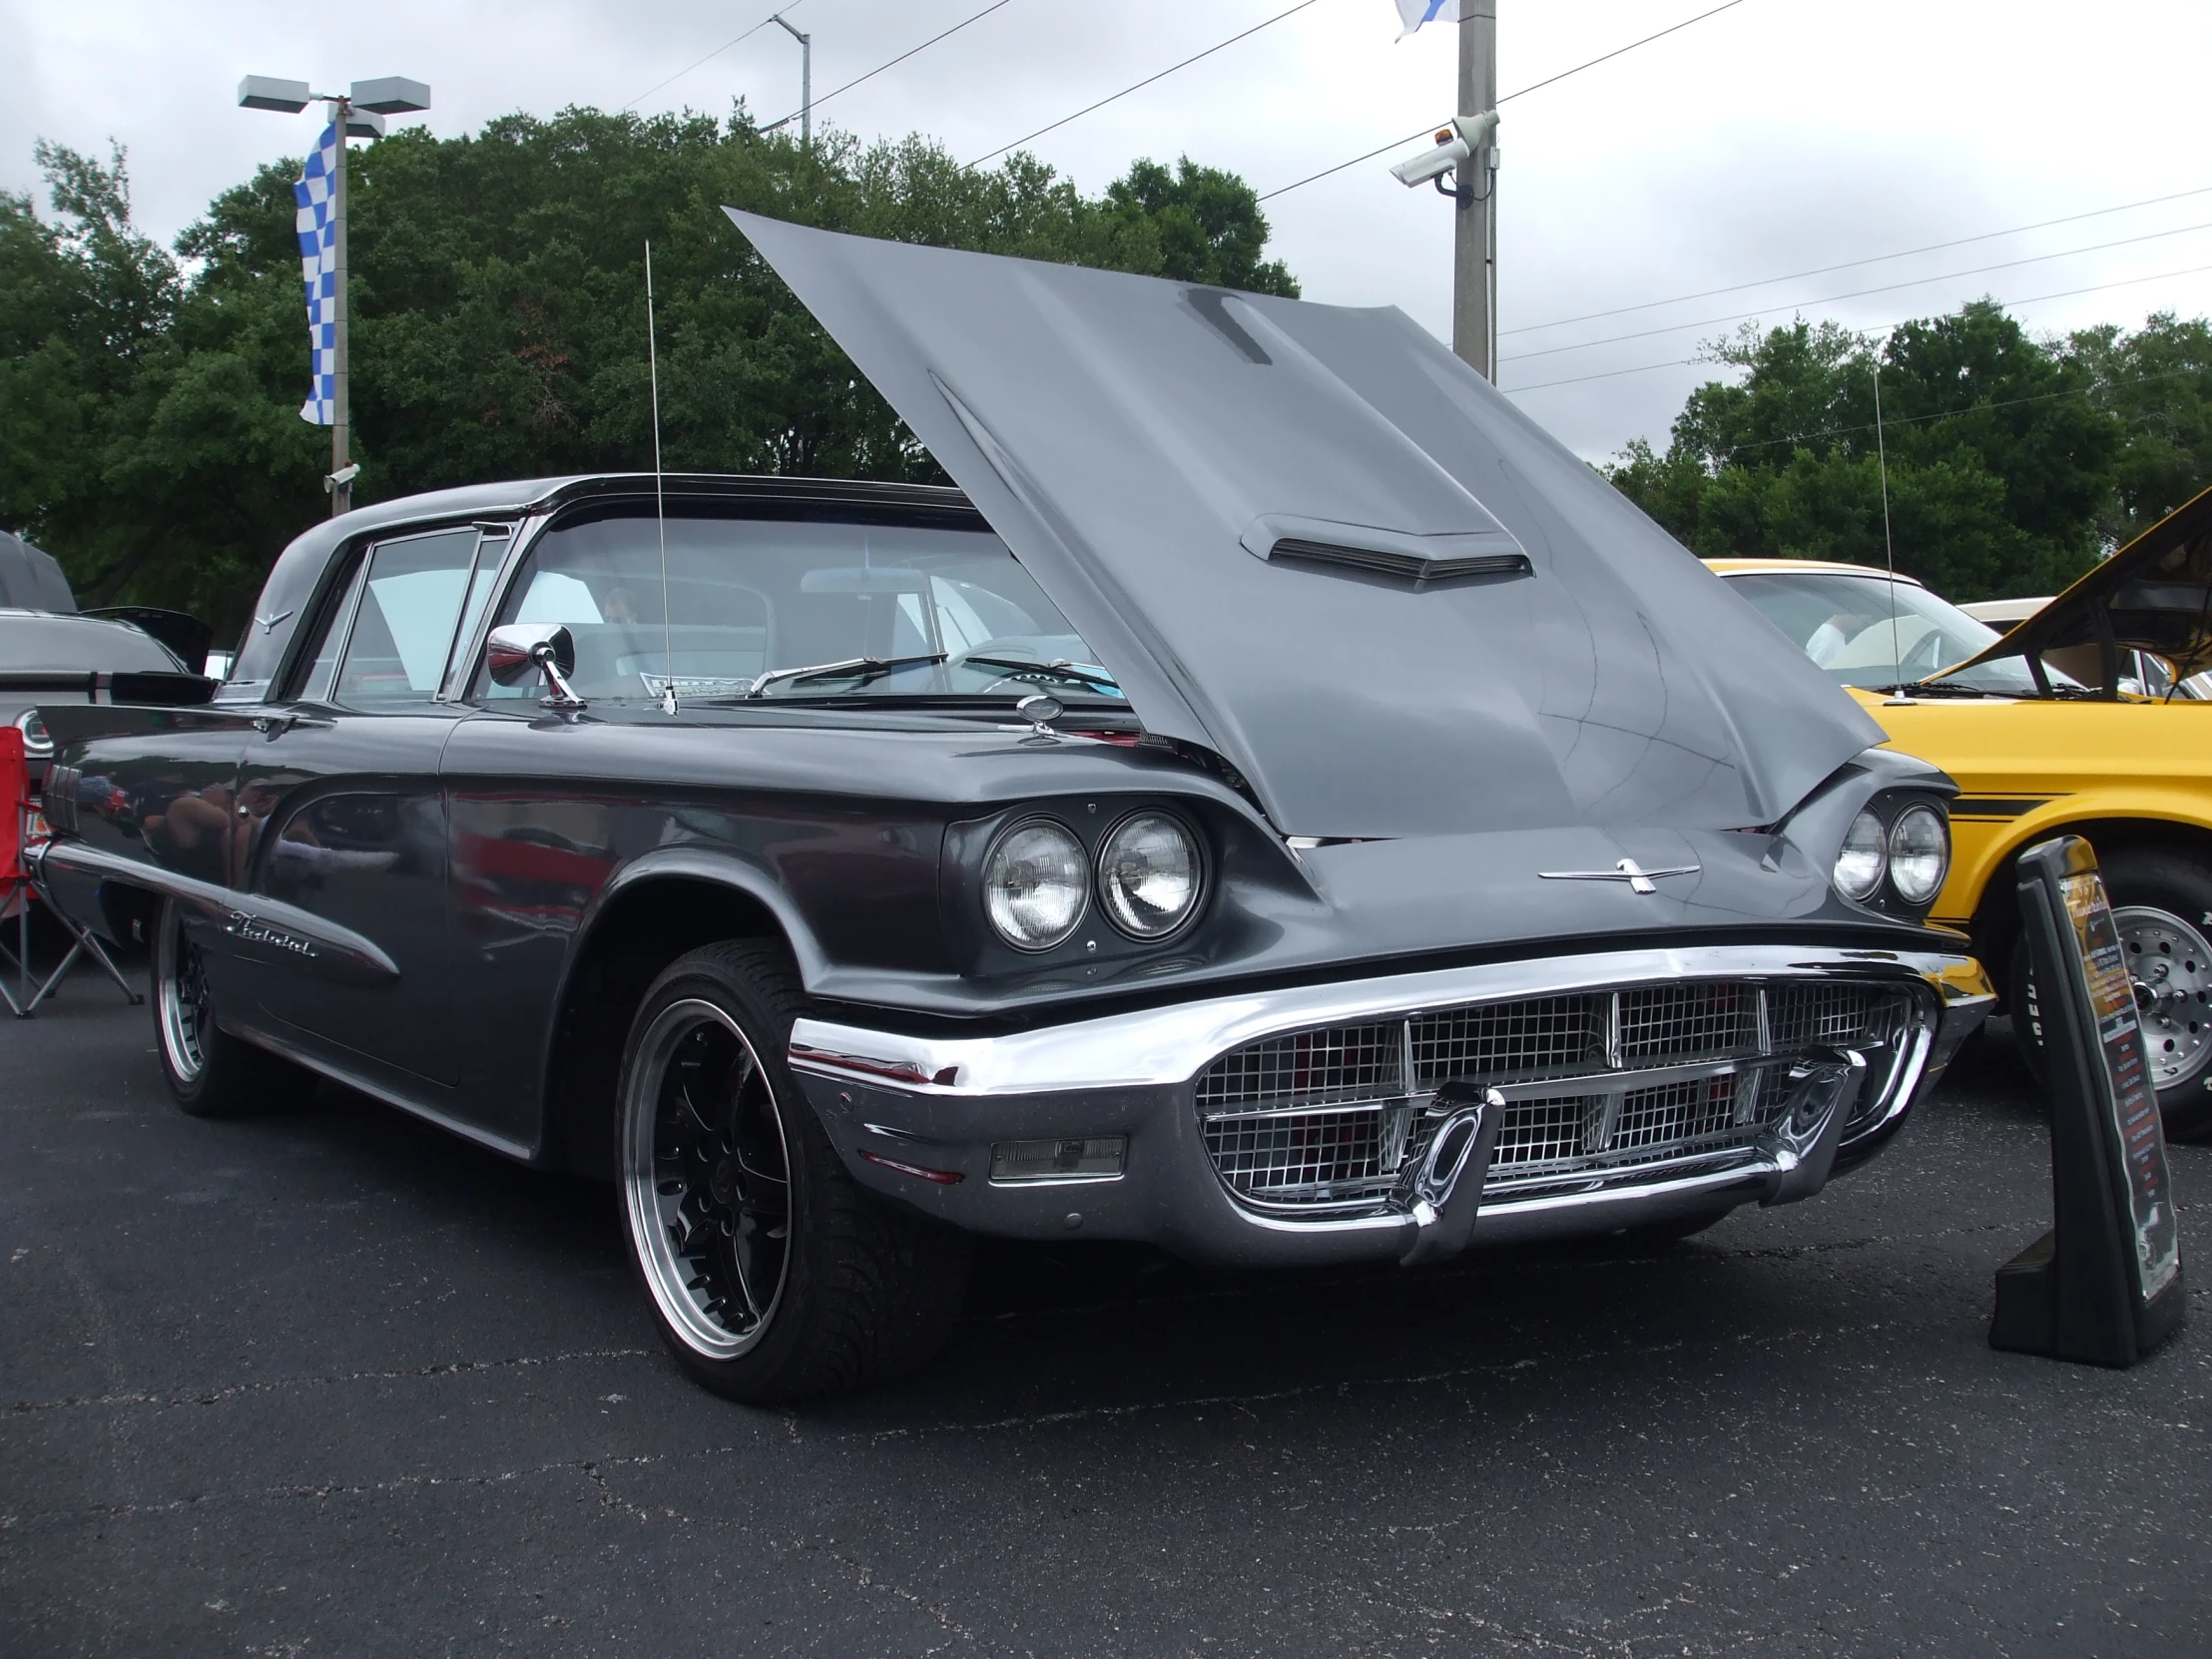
point(1475, 241)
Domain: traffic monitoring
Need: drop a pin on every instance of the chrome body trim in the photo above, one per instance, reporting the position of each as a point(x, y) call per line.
point(287, 931)
point(1134, 1074)
point(1172, 1044)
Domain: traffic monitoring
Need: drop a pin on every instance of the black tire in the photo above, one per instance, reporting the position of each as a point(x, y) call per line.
point(2162, 903)
point(209, 1072)
point(767, 1290)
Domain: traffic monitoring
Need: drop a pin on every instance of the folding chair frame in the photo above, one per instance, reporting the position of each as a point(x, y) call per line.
point(23, 1001)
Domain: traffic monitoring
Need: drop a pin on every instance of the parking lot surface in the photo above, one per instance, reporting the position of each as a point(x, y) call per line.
point(329, 1381)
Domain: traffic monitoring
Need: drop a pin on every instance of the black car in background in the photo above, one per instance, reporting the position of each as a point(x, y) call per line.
point(1282, 807)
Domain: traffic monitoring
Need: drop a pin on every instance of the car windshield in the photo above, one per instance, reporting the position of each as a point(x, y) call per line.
point(903, 611)
point(1850, 625)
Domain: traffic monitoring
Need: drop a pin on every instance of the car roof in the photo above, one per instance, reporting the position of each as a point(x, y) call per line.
point(1783, 567)
point(57, 640)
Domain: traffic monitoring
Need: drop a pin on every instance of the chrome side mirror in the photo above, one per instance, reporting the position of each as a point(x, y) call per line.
point(513, 651)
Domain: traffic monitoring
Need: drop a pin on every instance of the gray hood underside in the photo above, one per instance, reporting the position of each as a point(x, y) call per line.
point(1308, 538)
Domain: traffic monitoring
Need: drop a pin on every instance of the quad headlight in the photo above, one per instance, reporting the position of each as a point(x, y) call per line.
point(1149, 875)
point(1036, 883)
point(1909, 851)
point(1919, 855)
point(1864, 859)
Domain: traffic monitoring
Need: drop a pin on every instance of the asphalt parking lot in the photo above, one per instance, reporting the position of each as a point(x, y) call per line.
point(329, 1381)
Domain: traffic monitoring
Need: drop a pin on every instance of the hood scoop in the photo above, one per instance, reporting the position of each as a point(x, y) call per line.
point(1420, 560)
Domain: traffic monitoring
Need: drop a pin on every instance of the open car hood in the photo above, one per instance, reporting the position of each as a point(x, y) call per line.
point(1310, 540)
point(2155, 595)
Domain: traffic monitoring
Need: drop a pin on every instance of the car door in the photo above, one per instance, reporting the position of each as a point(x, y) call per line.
point(342, 784)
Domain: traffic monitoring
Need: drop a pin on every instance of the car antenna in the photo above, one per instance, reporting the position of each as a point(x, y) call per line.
point(1888, 545)
point(668, 704)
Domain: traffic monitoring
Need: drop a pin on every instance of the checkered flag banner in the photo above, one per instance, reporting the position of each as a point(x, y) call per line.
point(319, 270)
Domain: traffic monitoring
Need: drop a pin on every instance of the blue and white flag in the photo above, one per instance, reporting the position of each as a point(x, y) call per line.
point(318, 223)
point(1413, 13)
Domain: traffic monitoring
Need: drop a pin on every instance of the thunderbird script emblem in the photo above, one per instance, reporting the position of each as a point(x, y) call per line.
point(1639, 879)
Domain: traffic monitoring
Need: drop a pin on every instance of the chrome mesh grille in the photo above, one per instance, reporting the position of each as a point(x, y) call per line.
point(1508, 1041)
point(1544, 1131)
point(1344, 1062)
point(1692, 1021)
point(1331, 1118)
point(1320, 1156)
point(1803, 1016)
point(1691, 1111)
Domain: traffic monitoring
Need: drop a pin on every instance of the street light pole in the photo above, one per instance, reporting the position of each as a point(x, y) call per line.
point(357, 113)
point(1475, 238)
point(805, 81)
point(342, 409)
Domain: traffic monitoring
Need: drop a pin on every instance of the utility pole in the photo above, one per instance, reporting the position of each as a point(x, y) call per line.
point(1474, 239)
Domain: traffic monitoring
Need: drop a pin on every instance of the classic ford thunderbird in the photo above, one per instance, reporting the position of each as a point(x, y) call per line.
point(1282, 806)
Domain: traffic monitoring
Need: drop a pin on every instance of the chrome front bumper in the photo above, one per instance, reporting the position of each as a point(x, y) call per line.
point(918, 1117)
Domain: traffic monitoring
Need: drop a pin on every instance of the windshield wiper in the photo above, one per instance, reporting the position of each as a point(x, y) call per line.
point(1934, 687)
point(1074, 674)
point(853, 667)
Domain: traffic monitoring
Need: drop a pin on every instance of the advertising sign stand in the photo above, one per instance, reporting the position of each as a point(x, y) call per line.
point(2103, 1285)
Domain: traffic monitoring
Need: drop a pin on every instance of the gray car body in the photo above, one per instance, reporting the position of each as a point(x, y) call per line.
point(1385, 774)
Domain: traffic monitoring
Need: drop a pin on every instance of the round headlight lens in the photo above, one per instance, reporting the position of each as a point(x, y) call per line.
point(1919, 853)
point(1859, 866)
point(1035, 883)
point(1148, 876)
point(36, 739)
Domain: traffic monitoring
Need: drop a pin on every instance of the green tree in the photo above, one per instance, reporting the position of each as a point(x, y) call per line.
point(2000, 462)
point(2158, 382)
point(499, 307)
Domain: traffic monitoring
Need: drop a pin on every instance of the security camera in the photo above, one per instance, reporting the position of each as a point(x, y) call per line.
point(1454, 144)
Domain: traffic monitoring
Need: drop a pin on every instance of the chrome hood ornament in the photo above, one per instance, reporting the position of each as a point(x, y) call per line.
point(1639, 879)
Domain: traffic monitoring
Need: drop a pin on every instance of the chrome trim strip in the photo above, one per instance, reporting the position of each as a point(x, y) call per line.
point(333, 949)
point(1170, 1046)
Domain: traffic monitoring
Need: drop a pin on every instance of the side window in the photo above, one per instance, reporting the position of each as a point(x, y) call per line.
point(405, 624)
point(330, 639)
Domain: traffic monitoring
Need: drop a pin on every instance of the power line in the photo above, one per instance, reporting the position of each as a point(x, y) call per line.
point(711, 56)
point(894, 63)
point(1856, 294)
point(1509, 98)
point(2033, 299)
point(1871, 259)
point(1148, 80)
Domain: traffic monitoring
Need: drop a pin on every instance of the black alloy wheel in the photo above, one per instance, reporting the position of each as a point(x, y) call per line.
point(771, 1275)
point(2162, 910)
point(209, 1072)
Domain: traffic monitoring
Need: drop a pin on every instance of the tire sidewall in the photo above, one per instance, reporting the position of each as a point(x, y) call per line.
point(211, 1092)
point(759, 1371)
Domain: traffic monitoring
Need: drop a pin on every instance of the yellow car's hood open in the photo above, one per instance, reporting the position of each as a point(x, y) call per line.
point(2155, 595)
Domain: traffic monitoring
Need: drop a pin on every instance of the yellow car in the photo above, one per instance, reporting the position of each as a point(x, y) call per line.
point(2045, 730)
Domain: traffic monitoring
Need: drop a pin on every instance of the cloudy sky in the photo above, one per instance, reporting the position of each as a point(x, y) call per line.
point(1774, 139)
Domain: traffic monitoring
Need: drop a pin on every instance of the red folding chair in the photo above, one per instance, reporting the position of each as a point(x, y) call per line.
point(22, 827)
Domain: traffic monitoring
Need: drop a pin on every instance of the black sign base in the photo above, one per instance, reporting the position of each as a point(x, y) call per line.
point(2104, 1285)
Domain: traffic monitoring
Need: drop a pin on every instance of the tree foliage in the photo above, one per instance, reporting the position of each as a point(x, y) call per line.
point(149, 427)
point(2011, 461)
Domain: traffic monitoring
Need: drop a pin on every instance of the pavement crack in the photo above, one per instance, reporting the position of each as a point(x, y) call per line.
point(440, 1368)
point(936, 1610)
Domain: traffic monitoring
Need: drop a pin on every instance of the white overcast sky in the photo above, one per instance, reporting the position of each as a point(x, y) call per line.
point(1774, 138)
